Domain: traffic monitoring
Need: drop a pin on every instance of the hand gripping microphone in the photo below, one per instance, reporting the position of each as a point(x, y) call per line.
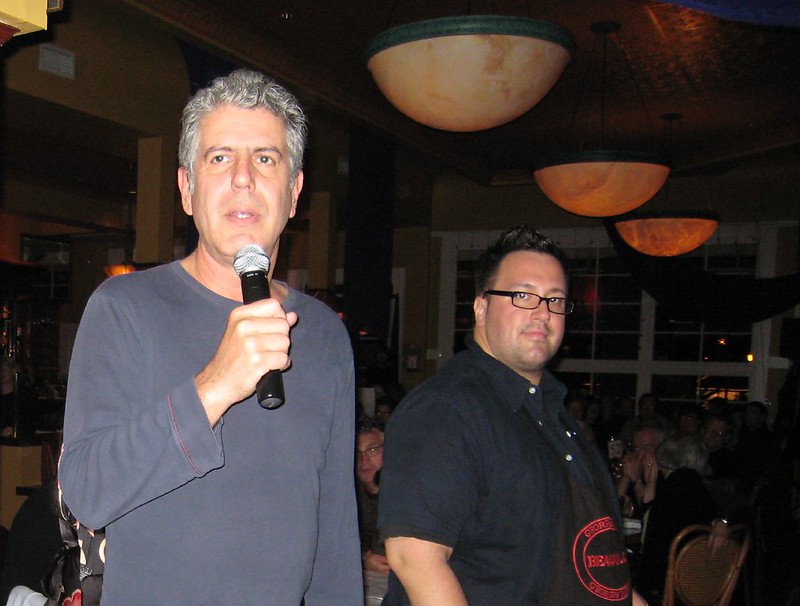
point(252, 265)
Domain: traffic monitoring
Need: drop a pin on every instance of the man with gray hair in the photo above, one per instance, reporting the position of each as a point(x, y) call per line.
point(206, 497)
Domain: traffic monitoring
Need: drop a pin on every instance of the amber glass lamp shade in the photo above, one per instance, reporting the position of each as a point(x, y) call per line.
point(469, 73)
point(600, 183)
point(118, 270)
point(666, 234)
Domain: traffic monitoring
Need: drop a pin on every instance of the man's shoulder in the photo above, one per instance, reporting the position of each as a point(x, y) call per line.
point(459, 385)
point(312, 311)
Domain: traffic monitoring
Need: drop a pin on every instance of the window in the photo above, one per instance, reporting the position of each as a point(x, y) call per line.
point(605, 323)
point(465, 295)
point(692, 341)
point(617, 342)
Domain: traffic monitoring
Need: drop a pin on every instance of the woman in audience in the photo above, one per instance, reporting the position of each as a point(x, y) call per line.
point(679, 500)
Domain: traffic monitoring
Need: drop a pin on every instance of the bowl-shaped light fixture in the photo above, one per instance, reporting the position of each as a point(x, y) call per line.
point(666, 234)
point(600, 183)
point(119, 269)
point(471, 72)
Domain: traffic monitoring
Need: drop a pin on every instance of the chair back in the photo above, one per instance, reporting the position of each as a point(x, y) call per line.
point(695, 577)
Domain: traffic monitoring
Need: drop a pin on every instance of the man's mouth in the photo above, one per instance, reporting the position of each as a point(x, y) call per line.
point(240, 214)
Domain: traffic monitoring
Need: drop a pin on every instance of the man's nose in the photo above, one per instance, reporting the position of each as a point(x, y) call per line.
point(242, 174)
point(542, 311)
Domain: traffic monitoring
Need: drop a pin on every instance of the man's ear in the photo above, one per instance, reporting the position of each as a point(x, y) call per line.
point(479, 308)
point(183, 187)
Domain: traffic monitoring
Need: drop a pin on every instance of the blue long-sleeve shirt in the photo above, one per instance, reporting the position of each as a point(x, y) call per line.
point(258, 510)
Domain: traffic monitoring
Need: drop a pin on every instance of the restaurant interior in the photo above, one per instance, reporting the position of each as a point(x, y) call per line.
point(689, 111)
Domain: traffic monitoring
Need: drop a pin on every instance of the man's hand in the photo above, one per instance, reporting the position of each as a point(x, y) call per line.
point(720, 533)
point(649, 468)
point(375, 562)
point(256, 340)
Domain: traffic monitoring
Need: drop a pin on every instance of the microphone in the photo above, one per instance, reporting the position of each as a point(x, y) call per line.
point(252, 265)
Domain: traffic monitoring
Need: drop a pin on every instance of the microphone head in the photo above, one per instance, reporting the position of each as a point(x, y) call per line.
point(250, 258)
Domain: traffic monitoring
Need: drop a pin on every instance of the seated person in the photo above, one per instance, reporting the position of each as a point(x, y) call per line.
point(640, 468)
point(688, 419)
point(647, 412)
point(369, 460)
point(680, 499)
point(383, 410)
point(757, 448)
point(33, 541)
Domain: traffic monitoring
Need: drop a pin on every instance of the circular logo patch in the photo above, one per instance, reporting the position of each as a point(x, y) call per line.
point(600, 560)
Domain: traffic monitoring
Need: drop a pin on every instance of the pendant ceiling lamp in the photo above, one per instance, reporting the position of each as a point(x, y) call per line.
point(666, 234)
point(119, 269)
point(469, 73)
point(601, 182)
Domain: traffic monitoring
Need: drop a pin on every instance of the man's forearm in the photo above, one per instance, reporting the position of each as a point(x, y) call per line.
point(437, 586)
point(423, 569)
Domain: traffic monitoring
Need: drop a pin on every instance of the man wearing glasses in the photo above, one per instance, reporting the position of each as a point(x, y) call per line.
point(489, 493)
point(369, 461)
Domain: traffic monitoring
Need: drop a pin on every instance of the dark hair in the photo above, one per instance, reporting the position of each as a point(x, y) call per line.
point(513, 240)
point(368, 426)
point(759, 406)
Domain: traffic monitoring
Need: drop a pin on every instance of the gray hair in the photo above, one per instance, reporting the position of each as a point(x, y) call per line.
point(246, 89)
point(682, 450)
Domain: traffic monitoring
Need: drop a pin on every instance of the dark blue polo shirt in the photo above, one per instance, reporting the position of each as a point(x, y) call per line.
point(464, 467)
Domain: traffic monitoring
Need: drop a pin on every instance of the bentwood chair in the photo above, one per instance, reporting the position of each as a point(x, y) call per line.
point(695, 577)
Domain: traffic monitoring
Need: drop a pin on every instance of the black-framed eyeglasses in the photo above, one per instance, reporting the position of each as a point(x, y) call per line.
point(530, 300)
point(369, 452)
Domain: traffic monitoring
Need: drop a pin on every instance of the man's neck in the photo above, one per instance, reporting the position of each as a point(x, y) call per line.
point(218, 279)
point(223, 280)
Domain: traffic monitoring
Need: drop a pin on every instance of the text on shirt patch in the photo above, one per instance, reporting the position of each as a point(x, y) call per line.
point(596, 556)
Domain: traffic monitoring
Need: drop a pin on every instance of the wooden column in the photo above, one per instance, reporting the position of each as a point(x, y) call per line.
point(19, 466)
point(322, 242)
point(155, 200)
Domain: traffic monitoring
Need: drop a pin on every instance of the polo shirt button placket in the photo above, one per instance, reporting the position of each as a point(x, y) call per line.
point(532, 391)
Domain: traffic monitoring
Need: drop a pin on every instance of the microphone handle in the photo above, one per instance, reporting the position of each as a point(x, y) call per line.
point(269, 390)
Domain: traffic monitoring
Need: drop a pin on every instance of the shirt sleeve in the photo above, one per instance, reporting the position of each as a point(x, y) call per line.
point(336, 579)
point(431, 476)
point(122, 446)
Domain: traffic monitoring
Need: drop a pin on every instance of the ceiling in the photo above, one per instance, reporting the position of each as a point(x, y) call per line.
point(735, 84)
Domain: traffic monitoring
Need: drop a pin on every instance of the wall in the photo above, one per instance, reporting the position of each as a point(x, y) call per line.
point(127, 71)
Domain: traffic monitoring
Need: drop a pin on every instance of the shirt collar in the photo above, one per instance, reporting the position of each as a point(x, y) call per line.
point(515, 388)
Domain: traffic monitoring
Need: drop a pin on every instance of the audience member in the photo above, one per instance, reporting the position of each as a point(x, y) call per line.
point(616, 412)
point(369, 461)
point(757, 447)
point(383, 410)
point(716, 434)
point(680, 499)
point(640, 470)
point(592, 417)
point(688, 419)
point(717, 405)
point(575, 403)
point(33, 541)
point(646, 412)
